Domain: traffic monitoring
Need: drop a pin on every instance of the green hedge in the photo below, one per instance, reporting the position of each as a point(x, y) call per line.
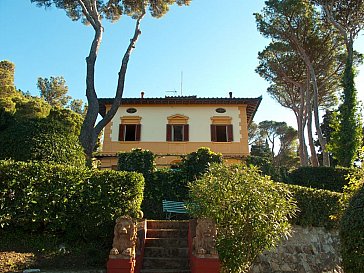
point(316, 207)
point(169, 184)
point(351, 234)
point(327, 178)
point(76, 202)
point(163, 184)
point(138, 160)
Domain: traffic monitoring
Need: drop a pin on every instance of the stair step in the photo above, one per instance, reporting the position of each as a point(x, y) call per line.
point(166, 252)
point(166, 242)
point(165, 224)
point(166, 247)
point(167, 233)
point(165, 262)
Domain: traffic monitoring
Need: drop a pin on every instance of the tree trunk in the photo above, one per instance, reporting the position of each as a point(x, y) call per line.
point(302, 148)
point(321, 138)
point(301, 123)
point(314, 159)
point(89, 132)
point(309, 65)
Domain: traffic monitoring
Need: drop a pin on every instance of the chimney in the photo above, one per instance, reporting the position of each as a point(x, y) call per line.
point(231, 95)
point(142, 95)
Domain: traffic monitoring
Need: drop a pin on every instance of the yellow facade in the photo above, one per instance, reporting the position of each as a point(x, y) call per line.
point(169, 152)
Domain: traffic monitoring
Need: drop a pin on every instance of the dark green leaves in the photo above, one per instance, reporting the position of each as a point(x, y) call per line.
point(60, 199)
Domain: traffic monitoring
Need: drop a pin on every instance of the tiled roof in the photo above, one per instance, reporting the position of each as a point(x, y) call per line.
point(252, 103)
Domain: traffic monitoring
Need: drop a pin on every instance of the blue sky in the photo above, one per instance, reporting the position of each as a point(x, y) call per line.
point(214, 43)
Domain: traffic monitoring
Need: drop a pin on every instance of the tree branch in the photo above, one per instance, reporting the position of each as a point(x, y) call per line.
point(121, 80)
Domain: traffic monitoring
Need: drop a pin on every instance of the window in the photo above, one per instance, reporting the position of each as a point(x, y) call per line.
point(177, 132)
point(131, 110)
point(177, 128)
point(222, 133)
point(129, 132)
point(220, 110)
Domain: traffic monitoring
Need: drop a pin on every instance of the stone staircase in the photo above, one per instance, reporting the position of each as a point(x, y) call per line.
point(166, 247)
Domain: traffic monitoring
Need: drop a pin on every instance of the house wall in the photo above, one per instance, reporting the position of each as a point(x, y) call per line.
point(153, 130)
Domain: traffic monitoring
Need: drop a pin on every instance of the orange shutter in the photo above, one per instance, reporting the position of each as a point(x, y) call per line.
point(121, 132)
point(213, 133)
point(137, 132)
point(186, 132)
point(169, 133)
point(230, 136)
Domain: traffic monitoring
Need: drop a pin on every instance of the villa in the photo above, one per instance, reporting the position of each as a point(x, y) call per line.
point(174, 126)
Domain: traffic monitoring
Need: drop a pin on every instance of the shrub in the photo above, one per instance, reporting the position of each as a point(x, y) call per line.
point(251, 212)
point(138, 160)
point(356, 182)
point(76, 202)
point(277, 173)
point(327, 178)
point(197, 163)
point(315, 207)
point(170, 184)
point(43, 140)
point(351, 234)
point(166, 184)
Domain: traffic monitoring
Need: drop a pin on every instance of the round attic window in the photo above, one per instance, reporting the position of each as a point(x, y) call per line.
point(220, 110)
point(131, 110)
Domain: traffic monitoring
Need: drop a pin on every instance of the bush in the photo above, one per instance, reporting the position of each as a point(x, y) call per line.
point(315, 207)
point(76, 202)
point(251, 212)
point(195, 164)
point(165, 184)
point(169, 184)
point(277, 173)
point(41, 139)
point(138, 160)
point(351, 234)
point(327, 178)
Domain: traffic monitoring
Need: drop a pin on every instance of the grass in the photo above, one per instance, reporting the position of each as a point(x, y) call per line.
point(20, 250)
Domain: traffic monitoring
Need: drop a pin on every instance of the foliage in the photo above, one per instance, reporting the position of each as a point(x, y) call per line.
point(138, 160)
point(7, 74)
point(269, 131)
point(266, 166)
point(327, 178)
point(347, 18)
point(316, 207)
point(92, 12)
point(77, 202)
point(347, 135)
point(197, 163)
point(52, 139)
point(305, 53)
point(356, 182)
point(163, 184)
point(54, 91)
point(251, 212)
point(31, 107)
point(327, 131)
point(77, 106)
point(170, 184)
point(14, 105)
point(351, 234)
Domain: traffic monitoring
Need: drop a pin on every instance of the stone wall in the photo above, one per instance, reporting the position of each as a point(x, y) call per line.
point(308, 250)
